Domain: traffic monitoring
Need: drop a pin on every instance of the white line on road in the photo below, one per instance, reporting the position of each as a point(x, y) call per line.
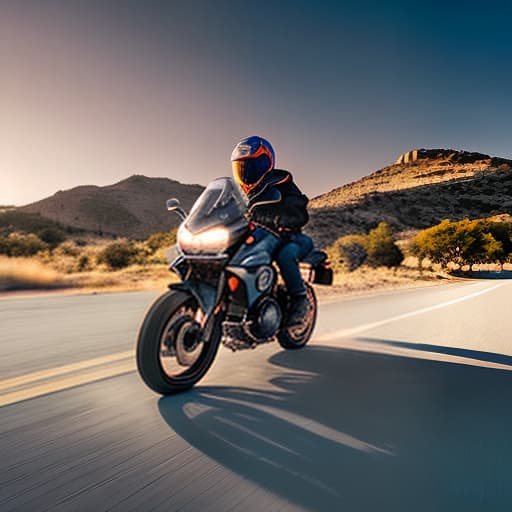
point(91, 370)
point(344, 333)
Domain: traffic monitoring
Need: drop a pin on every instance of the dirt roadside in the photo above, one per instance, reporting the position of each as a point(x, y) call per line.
point(365, 282)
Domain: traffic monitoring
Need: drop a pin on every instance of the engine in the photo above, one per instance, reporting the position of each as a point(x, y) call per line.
point(265, 319)
point(261, 326)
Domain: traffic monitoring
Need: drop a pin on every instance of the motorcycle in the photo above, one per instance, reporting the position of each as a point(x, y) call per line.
point(230, 292)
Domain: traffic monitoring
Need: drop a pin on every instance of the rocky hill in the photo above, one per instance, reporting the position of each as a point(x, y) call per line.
point(134, 207)
point(419, 190)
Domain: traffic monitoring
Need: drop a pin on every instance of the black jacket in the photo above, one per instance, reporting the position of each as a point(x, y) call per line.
point(277, 203)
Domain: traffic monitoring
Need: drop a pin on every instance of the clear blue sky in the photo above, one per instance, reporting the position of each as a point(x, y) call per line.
point(94, 91)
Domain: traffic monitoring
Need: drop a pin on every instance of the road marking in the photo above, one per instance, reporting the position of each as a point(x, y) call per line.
point(61, 370)
point(123, 362)
point(344, 333)
point(67, 382)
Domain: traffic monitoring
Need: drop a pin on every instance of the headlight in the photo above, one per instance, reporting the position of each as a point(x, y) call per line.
point(213, 240)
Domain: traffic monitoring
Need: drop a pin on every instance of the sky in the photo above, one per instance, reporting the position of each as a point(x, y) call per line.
point(92, 91)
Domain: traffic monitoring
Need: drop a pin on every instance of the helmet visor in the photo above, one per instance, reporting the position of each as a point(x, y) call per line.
point(249, 171)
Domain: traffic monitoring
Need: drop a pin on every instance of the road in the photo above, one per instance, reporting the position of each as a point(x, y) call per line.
point(400, 402)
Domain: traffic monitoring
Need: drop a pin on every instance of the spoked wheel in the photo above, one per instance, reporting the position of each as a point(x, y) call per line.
point(172, 352)
point(297, 336)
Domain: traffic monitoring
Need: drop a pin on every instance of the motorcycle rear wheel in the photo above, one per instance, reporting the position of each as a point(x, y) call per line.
point(163, 336)
point(297, 337)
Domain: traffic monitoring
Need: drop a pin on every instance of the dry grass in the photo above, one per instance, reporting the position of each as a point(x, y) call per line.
point(366, 280)
point(133, 278)
point(77, 265)
point(31, 274)
point(26, 273)
point(60, 269)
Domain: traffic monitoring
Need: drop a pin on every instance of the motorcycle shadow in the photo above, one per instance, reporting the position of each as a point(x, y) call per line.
point(343, 428)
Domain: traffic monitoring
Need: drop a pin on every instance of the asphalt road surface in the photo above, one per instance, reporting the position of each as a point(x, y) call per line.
point(402, 401)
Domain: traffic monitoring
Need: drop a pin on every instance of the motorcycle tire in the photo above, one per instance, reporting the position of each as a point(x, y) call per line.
point(149, 345)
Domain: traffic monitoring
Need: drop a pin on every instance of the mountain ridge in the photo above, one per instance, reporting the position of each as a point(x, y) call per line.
point(133, 207)
point(421, 188)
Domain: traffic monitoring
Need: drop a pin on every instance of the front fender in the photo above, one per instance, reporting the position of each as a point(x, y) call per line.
point(204, 293)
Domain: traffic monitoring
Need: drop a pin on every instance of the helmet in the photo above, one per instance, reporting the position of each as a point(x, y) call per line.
point(252, 158)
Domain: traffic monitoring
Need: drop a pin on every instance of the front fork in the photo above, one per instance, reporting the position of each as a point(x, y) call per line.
point(209, 298)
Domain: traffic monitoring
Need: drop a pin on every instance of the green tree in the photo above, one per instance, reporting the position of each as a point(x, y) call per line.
point(502, 232)
point(463, 242)
point(381, 248)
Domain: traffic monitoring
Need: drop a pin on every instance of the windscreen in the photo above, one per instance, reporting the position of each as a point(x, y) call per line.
point(220, 204)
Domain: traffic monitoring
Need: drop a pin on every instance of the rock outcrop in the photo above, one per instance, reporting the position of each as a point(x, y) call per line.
point(448, 155)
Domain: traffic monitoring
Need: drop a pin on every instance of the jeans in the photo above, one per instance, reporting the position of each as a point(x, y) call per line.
point(287, 253)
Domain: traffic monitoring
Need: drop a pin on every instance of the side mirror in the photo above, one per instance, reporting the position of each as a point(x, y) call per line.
point(173, 205)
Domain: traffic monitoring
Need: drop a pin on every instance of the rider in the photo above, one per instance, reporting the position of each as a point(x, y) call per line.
point(277, 211)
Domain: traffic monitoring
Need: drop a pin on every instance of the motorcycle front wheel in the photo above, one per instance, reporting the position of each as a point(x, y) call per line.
point(172, 352)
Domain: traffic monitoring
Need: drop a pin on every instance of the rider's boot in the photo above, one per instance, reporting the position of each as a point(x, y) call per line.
point(299, 308)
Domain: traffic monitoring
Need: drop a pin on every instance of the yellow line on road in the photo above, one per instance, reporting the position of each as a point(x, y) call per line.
point(69, 382)
point(61, 370)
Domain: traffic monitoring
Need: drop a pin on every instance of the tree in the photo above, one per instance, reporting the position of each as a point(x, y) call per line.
point(502, 232)
point(381, 248)
point(463, 242)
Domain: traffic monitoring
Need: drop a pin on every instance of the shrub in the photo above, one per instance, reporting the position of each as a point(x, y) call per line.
point(463, 242)
point(381, 248)
point(375, 249)
point(19, 244)
point(84, 263)
point(67, 249)
point(118, 255)
point(52, 236)
point(350, 251)
point(161, 240)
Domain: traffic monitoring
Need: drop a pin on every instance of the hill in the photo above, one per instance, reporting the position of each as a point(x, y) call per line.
point(133, 208)
point(419, 190)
